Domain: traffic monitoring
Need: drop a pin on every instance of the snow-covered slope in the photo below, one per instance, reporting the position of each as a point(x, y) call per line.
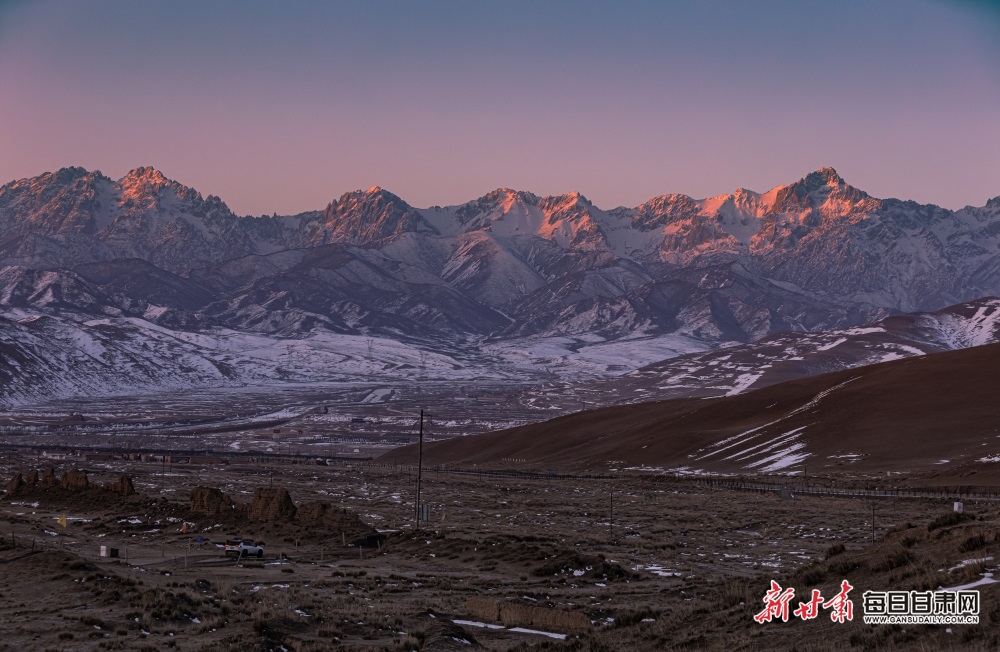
point(555, 275)
point(44, 357)
point(734, 369)
point(811, 255)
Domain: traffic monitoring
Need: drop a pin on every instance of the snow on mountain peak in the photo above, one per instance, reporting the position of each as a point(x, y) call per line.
point(827, 175)
point(69, 175)
point(494, 206)
point(146, 173)
point(363, 217)
point(373, 194)
point(143, 180)
point(823, 188)
point(569, 201)
point(49, 184)
point(507, 197)
point(732, 267)
point(142, 185)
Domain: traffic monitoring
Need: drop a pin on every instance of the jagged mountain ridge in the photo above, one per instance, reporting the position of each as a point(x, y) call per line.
point(812, 255)
point(133, 283)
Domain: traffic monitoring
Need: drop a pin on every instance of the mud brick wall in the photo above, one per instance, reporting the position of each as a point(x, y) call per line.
point(517, 614)
point(486, 609)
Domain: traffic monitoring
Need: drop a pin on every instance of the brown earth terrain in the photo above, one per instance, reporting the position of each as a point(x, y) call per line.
point(632, 562)
point(618, 541)
point(925, 416)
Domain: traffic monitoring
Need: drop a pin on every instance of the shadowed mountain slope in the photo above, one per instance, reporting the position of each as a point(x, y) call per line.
point(917, 413)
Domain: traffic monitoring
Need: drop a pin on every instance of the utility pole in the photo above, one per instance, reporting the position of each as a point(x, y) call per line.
point(611, 521)
point(873, 521)
point(420, 465)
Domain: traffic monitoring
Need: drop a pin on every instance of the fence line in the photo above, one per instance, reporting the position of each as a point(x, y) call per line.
point(496, 473)
point(758, 486)
point(847, 492)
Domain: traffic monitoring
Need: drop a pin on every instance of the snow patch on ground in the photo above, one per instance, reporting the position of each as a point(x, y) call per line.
point(661, 571)
point(743, 382)
point(969, 562)
point(591, 356)
point(783, 459)
point(378, 396)
point(827, 347)
point(986, 579)
point(524, 630)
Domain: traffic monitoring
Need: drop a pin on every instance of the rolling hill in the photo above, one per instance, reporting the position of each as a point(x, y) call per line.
point(921, 413)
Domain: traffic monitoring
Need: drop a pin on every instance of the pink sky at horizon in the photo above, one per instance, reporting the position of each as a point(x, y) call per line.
point(284, 109)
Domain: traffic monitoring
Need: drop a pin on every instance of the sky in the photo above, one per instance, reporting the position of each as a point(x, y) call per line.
point(282, 107)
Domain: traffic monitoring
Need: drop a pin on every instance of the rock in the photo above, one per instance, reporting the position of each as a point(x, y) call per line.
point(123, 486)
point(442, 634)
point(75, 479)
point(326, 514)
point(272, 504)
point(49, 477)
point(15, 483)
point(210, 501)
point(32, 478)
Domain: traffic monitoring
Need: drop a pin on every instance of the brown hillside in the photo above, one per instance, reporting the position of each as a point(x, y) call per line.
point(903, 415)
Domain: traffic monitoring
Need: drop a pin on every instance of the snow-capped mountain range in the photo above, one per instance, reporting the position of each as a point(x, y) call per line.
point(738, 368)
point(145, 259)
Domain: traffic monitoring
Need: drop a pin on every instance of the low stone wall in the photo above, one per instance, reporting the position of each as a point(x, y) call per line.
point(518, 614)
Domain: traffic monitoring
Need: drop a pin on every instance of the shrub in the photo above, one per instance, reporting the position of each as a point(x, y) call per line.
point(737, 590)
point(975, 542)
point(634, 617)
point(945, 520)
point(843, 566)
point(812, 575)
point(895, 559)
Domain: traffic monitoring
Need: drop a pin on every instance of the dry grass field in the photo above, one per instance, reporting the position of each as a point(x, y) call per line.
point(638, 562)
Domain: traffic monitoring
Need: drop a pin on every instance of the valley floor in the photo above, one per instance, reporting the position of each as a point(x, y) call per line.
point(651, 562)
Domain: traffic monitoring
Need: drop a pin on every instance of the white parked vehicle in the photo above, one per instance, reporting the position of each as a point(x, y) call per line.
point(244, 548)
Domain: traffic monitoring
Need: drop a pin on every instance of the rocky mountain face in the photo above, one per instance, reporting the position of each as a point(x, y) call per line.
point(61, 219)
point(814, 255)
point(738, 368)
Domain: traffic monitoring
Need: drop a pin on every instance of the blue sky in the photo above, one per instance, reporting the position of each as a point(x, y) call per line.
point(282, 107)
